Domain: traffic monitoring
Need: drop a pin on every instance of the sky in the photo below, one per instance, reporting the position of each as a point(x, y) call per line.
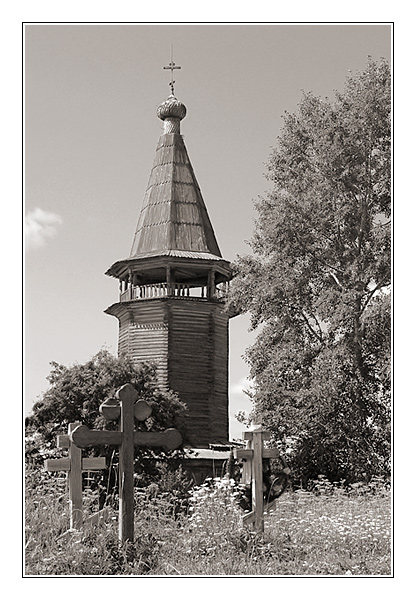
point(91, 93)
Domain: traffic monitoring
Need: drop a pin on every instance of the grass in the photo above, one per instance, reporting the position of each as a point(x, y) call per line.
point(331, 531)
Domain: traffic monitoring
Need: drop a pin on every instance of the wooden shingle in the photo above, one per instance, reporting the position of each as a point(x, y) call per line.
point(173, 215)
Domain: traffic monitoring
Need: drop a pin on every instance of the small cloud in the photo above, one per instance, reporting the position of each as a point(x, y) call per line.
point(40, 225)
point(240, 386)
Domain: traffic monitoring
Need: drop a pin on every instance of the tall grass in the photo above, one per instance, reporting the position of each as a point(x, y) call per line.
point(331, 530)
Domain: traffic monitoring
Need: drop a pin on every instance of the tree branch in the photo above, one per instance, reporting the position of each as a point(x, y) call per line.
point(335, 278)
point(382, 283)
point(311, 329)
point(378, 225)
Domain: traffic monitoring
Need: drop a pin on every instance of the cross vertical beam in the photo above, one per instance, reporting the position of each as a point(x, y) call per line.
point(127, 396)
point(257, 479)
point(74, 476)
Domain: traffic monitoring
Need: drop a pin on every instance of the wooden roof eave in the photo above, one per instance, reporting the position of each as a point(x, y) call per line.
point(122, 268)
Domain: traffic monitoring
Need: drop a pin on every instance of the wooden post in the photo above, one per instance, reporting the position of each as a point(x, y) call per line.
point(211, 283)
point(257, 479)
point(75, 482)
point(127, 396)
point(128, 285)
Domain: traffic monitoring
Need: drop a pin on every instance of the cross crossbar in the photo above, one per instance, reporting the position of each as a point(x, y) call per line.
point(247, 453)
point(169, 439)
point(64, 464)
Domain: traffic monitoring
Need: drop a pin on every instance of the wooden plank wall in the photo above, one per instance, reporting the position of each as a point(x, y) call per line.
point(198, 368)
point(188, 340)
point(219, 404)
point(143, 335)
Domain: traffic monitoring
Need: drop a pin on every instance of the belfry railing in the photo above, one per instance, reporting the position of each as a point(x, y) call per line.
point(162, 290)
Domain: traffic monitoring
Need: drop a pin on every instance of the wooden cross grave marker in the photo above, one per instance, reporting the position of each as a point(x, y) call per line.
point(74, 465)
point(126, 438)
point(252, 457)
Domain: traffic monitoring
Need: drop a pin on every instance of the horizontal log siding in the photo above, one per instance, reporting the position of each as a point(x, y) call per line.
point(123, 334)
point(198, 368)
point(188, 340)
point(143, 335)
point(219, 402)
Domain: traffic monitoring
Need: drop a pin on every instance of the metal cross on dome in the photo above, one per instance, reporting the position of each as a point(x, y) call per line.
point(172, 66)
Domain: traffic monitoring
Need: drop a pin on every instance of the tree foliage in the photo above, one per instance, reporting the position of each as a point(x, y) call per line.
point(76, 393)
point(316, 283)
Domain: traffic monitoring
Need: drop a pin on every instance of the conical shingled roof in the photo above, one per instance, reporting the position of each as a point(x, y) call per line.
point(174, 220)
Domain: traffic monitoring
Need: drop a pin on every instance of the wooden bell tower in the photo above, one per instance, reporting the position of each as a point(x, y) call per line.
point(172, 289)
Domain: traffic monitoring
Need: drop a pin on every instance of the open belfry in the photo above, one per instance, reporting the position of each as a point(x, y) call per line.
point(172, 288)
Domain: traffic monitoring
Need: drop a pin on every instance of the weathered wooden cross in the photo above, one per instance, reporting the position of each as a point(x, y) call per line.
point(126, 438)
point(252, 457)
point(74, 465)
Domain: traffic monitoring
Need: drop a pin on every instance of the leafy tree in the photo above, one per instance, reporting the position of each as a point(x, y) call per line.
point(317, 283)
point(76, 392)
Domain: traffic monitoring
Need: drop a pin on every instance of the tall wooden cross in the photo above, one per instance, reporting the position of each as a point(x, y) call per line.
point(171, 66)
point(126, 438)
point(74, 465)
point(252, 457)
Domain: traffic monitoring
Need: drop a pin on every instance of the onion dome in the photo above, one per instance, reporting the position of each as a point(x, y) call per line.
point(171, 112)
point(171, 108)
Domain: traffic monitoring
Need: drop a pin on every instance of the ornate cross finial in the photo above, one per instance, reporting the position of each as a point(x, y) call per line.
point(171, 66)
